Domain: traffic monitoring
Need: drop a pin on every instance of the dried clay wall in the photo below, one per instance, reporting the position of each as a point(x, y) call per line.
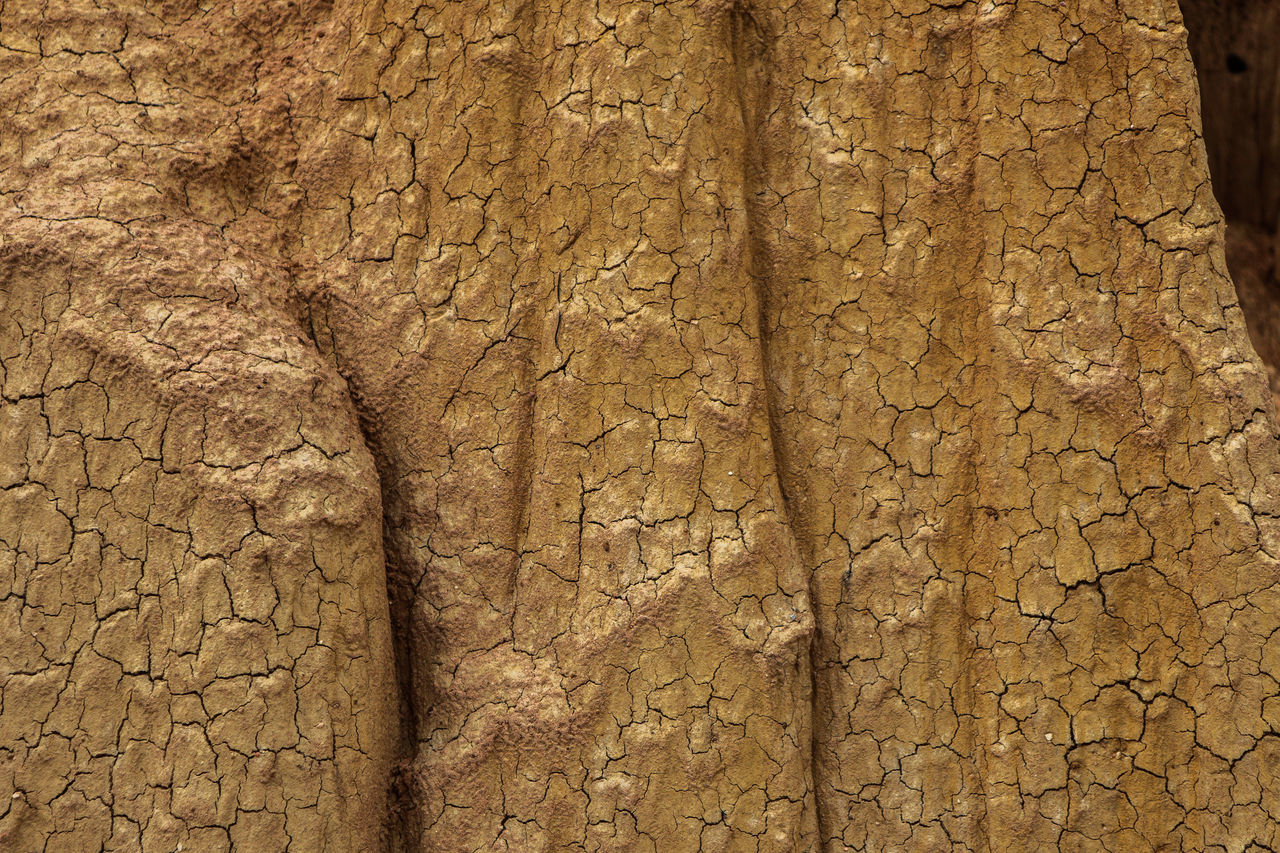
point(716, 425)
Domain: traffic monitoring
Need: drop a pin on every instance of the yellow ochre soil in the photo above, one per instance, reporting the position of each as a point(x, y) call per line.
point(580, 425)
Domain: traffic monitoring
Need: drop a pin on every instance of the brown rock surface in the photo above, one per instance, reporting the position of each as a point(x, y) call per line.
point(626, 426)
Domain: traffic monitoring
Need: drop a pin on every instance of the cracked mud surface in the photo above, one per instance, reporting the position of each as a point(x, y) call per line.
point(626, 426)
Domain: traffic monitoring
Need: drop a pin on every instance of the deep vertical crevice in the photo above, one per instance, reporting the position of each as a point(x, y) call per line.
point(404, 813)
point(402, 800)
point(750, 46)
point(403, 820)
point(1235, 45)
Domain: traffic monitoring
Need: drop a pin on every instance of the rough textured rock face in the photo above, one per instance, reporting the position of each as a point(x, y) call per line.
point(627, 426)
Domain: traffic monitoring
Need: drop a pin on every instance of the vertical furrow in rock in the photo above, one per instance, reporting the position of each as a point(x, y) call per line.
point(403, 819)
point(751, 40)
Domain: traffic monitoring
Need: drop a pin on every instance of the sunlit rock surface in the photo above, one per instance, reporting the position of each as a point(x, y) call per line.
point(649, 426)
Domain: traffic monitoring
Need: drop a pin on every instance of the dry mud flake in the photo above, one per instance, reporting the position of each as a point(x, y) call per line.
point(726, 426)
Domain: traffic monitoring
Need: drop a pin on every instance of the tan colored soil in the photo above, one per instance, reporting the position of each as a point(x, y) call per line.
point(626, 426)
